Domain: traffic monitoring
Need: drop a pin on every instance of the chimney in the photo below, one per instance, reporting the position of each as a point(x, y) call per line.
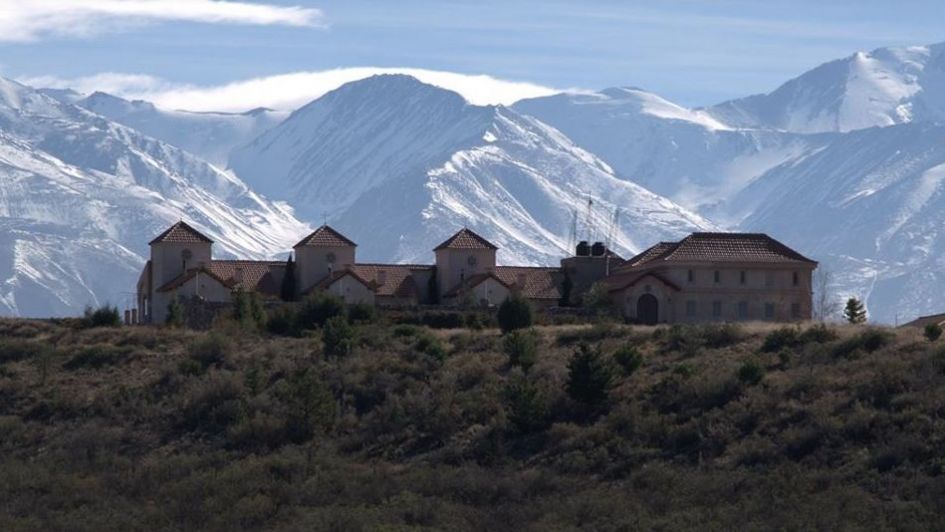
point(583, 249)
point(128, 317)
point(134, 316)
point(598, 249)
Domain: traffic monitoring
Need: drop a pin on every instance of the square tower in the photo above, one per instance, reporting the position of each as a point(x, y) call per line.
point(461, 256)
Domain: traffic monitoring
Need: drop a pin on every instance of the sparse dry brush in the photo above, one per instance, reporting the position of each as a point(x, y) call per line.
point(405, 427)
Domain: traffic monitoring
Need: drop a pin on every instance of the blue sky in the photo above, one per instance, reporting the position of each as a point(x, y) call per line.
point(694, 52)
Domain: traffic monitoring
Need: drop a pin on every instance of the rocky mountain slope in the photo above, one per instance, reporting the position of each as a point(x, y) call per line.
point(80, 197)
point(399, 165)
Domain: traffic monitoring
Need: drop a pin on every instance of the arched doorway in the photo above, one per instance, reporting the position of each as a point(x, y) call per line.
point(648, 309)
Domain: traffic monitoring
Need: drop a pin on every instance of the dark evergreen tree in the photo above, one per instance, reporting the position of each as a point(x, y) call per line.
point(590, 378)
point(567, 286)
point(175, 313)
point(855, 312)
point(514, 313)
point(288, 292)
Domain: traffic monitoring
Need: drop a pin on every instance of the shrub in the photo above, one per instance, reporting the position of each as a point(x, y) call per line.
point(309, 405)
point(629, 358)
point(933, 331)
point(16, 349)
point(318, 309)
point(213, 405)
point(248, 310)
point(175, 314)
point(404, 331)
point(362, 313)
point(818, 334)
point(716, 336)
point(589, 377)
point(337, 336)
point(750, 373)
point(210, 350)
point(104, 316)
point(429, 345)
point(527, 406)
point(514, 313)
point(778, 339)
point(283, 321)
point(97, 356)
point(874, 340)
point(521, 346)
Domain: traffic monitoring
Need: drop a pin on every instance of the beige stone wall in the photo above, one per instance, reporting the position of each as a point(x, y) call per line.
point(351, 291)
point(311, 263)
point(452, 263)
point(167, 259)
point(202, 286)
point(762, 294)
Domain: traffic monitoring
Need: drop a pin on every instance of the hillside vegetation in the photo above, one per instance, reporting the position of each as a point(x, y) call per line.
point(401, 427)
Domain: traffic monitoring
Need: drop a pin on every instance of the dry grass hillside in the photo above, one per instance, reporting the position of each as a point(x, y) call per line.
point(408, 428)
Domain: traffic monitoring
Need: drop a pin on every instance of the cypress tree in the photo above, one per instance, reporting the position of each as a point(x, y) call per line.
point(288, 282)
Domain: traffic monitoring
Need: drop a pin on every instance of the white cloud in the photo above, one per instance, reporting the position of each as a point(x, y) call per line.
point(28, 20)
point(285, 91)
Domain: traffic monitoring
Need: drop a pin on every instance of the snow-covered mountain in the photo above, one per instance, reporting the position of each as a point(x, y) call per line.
point(398, 165)
point(872, 206)
point(80, 197)
point(881, 88)
point(211, 136)
point(686, 155)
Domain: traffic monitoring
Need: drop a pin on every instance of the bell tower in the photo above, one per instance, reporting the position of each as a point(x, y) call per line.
point(320, 254)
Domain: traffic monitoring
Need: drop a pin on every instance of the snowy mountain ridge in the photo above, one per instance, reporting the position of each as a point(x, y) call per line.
point(399, 165)
point(82, 196)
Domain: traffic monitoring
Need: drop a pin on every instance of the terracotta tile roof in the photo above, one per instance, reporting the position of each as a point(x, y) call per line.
point(251, 275)
point(325, 236)
point(332, 277)
point(465, 239)
point(531, 282)
point(181, 279)
point(181, 232)
point(539, 282)
point(391, 280)
point(473, 281)
point(720, 247)
point(620, 282)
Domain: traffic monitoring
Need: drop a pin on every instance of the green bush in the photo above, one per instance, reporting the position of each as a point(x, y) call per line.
point(514, 313)
point(308, 403)
point(362, 313)
point(429, 345)
point(528, 410)
point(521, 346)
point(750, 373)
point(210, 350)
point(782, 338)
point(933, 332)
point(716, 336)
point(175, 314)
point(283, 321)
point(818, 334)
point(16, 349)
point(874, 340)
point(97, 356)
point(589, 377)
point(629, 358)
point(318, 308)
point(248, 310)
point(337, 336)
point(104, 316)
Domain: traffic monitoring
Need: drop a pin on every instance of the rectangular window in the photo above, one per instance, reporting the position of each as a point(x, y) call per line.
point(743, 310)
point(691, 309)
point(769, 279)
point(716, 309)
point(690, 276)
point(796, 311)
point(796, 279)
point(741, 277)
point(718, 276)
point(769, 311)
